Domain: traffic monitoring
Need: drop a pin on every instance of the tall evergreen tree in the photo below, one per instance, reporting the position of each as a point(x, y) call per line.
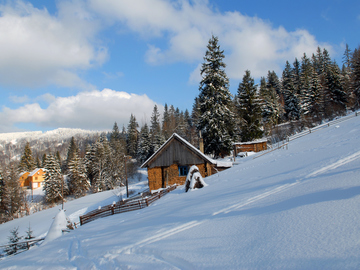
point(216, 119)
point(291, 101)
point(272, 109)
point(155, 130)
point(166, 123)
point(27, 163)
point(144, 148)
point(249, 109)
point(54, 184)
point(118, 152)
point(78, 181)
point(12, 193)
point(355, 77)
point(132, 138)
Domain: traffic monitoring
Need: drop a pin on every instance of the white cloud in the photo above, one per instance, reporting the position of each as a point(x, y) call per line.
point(17, 99)
point(39, 49)
point(89, 110)
point(249, 42)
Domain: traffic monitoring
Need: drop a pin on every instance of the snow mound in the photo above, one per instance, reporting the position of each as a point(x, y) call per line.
point(57, 227)
point(194, 179)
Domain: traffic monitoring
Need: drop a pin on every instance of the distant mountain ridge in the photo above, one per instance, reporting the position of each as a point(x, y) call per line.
point(12, 144)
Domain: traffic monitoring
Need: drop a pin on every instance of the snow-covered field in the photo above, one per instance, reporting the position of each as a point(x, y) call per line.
point(290, 209)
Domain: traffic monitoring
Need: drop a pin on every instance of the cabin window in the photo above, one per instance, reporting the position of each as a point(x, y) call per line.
point(183, 170)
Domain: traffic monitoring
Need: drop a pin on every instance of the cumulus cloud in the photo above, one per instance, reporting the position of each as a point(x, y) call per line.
point(249, 42)
point(39, 49)
point(88, 110)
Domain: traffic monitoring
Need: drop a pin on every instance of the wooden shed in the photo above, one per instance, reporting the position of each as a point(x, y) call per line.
point(171, 162)
point(254, 146)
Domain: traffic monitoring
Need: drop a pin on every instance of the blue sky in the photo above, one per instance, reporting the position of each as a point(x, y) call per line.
point(88, 63)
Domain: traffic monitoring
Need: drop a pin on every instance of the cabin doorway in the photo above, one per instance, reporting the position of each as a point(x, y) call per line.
point(164, 177)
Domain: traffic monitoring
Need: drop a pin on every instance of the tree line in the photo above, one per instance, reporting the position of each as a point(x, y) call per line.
point(309, 91)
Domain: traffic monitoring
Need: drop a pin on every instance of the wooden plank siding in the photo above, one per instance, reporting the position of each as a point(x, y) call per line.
point(175, 153)
point(163, 165)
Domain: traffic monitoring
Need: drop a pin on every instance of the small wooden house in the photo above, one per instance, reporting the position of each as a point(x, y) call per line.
point(170, 164)
point(254, 146)
point(32, 179)
point(36, 178)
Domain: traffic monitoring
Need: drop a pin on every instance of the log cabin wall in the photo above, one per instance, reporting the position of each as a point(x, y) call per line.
point(161, 177)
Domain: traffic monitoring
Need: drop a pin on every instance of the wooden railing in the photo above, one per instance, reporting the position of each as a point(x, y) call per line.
point(21, 246)
point(124, 206)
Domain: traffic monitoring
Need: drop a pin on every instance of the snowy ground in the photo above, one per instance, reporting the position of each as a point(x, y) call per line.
point(290, 209)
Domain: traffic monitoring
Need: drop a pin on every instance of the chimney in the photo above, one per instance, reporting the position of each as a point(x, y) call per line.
point(201, 143)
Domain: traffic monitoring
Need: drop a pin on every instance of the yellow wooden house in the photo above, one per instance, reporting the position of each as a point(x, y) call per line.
point(33, 179)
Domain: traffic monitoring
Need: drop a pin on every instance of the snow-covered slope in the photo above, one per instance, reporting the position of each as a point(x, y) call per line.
point(290, 209)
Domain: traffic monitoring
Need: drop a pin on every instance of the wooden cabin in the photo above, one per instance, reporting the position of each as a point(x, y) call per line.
point(36, 178)
point(254, 146)
point(170, 164)
point(32, 179)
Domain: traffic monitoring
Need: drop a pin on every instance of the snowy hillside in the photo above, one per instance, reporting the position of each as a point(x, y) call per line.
point(57, 134)
point(295, 208)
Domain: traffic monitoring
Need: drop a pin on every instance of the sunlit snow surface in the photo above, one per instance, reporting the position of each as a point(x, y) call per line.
point(290, 209)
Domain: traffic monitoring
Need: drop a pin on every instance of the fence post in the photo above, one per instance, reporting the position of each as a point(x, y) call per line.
point(81, 223)
point(147, 203)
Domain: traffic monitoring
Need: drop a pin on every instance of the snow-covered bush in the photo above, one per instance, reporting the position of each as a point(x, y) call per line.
point(194, 179)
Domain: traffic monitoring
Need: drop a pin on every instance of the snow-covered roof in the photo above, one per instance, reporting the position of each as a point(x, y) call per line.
point(32, 173)
point(186, 143)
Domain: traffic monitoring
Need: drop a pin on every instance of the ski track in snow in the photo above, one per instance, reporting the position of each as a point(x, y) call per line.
point(281, 188)
point(157, 237)
point(335, 165)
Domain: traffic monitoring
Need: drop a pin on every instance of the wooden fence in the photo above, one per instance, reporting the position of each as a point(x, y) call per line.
point(124, 206)
point(21, 246)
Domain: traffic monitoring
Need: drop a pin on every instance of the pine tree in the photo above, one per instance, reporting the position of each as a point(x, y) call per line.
point(132, 139)
point(272, 109)
point(291, 101)
point(216, 120)
point(99, 165)
point(54, 185)
point(155, 131)
point(166, 123)
point(355, 77)
point(29, 234)
point(27, 163)
point(72, 151)
point(249, 109)
point(118, 152)
point(77, 179)
point(14, 238)
point(13, 195)
point(144, 148)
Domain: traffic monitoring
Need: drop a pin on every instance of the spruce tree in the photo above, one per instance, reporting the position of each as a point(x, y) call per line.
point(72, 151)
point(155, 130)
point(166, 123)
point(144, 148)
point(77, 179)
point(291, 101)
point(27, 163)
point(13, 197)
point(132, 139)
point(29, 233)
point(355, 77)
point(249, 109)
point(216, 119)
point(118, 152)
point(14, 238)
point(54, 185)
